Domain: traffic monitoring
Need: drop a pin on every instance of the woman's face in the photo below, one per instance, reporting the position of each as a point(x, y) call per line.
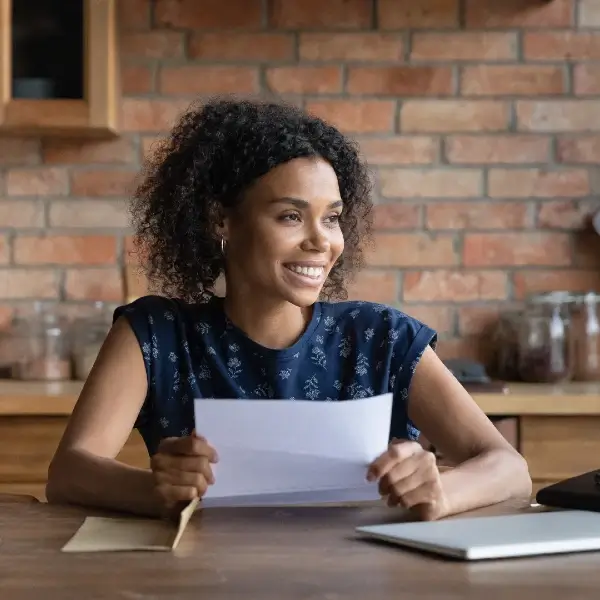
point(284, 237)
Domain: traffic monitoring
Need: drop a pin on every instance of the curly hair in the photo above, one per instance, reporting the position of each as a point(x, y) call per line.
point(213, 153)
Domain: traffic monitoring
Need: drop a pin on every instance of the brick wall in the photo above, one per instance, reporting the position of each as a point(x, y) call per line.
point(481, 120)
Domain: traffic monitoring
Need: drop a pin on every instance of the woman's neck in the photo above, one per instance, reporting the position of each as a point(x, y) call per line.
point(271, 324)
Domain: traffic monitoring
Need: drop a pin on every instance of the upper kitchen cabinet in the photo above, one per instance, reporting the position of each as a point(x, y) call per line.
point(59, 68)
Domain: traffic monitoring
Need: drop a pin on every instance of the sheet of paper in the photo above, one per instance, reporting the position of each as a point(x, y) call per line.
point(293, 452)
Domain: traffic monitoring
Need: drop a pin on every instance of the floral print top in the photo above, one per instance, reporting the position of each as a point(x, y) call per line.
point(349, 350)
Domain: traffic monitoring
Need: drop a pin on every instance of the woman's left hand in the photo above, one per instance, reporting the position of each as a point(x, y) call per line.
point(408, 475)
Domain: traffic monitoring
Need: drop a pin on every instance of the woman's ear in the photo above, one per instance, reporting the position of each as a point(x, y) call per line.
point(222, 231)
point(222, 227)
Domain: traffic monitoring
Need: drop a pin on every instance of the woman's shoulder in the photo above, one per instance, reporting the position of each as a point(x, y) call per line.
point(360, 312)
point(384, 326)
point(154, 316)
point(149, 304)
point(160, 307)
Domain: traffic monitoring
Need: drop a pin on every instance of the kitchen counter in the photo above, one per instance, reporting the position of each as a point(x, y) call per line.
point(58, 399)
point(21, 398)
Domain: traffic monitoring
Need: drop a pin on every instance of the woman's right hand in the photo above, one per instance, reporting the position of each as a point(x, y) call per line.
point(182, 470)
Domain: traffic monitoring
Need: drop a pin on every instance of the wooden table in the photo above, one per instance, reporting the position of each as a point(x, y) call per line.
point(308, 553)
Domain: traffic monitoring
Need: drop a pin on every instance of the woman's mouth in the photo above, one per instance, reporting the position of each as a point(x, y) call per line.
point(306, 275)
point(312, 272)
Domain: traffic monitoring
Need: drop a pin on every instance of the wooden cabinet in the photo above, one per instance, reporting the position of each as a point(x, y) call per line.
point(557, 447)
point(554, 447)
point(28, 443)
point(59, 68)
point(557, 430)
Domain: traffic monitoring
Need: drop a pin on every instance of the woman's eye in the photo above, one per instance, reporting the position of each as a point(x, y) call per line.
point(290, 217)
point(333, 218)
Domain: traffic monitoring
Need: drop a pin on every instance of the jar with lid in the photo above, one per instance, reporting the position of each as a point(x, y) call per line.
point(42, 345)
point(505, 345)
point(586, 338)
point(545, 350)
point(89, 333)
point(7, 353)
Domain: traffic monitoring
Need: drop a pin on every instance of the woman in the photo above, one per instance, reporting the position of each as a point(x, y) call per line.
point(278, 202)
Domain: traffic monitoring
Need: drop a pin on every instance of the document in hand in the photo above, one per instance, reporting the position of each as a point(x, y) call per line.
point(293, 451)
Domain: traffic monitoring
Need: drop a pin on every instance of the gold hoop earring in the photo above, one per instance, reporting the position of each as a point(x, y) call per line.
point(223, 245)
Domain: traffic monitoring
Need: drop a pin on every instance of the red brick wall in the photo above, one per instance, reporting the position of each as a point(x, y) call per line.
point(481, 120)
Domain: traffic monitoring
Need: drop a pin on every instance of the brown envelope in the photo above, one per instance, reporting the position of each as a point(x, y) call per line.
point(101, 534)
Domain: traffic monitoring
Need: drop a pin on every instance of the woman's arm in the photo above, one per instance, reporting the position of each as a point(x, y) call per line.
point(84, 470)
point(489, 469)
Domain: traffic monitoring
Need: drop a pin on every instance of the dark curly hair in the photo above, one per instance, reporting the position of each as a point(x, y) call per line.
point(214, 152)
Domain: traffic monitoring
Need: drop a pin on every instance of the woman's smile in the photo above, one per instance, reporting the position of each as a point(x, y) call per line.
point(307, 274)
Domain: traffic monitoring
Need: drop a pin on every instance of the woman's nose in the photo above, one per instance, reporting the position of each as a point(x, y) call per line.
point(317, 239)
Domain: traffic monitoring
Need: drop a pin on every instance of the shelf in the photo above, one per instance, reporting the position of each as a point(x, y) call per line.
point(96, 113)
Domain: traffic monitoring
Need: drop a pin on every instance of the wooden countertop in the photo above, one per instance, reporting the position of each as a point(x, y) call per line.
point(58, 399)
point(542, 400)
point(19, 398)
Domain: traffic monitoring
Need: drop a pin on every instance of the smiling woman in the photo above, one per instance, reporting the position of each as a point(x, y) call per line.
point(285, 239)
point(313, 273)
point(279, 202)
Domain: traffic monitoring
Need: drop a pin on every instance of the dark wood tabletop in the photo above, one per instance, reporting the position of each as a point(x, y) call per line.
point(308, 553)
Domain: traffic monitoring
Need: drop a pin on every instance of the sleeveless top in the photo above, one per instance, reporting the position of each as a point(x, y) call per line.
point(349, 350)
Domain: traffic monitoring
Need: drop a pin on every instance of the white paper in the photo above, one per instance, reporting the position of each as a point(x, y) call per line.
point(293, 451)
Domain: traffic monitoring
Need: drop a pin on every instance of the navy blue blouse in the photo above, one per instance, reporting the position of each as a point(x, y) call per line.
point(349, 350)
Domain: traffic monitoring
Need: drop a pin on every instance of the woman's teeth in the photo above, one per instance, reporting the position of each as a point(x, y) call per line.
point(314, 272)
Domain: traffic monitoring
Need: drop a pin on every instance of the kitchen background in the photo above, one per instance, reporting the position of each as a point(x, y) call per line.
point(480, 119)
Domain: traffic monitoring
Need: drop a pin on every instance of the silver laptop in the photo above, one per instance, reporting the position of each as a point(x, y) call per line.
point(505, 536)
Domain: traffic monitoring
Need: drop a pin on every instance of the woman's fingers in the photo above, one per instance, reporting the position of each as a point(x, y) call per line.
point(400, 471)
point(188, 446)
point(403, 490)
point(174, 494)
point(397, 452)
point(183, 464)
point(183, 478)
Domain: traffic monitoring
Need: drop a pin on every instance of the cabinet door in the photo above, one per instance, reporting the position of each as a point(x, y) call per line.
point(559, 447)
point(59, 67)
point(28, 445)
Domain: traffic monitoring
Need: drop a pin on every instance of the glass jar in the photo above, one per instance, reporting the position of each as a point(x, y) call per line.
point(545, 353)
point(89, 333)
point(505, 345)
point(7, 354)
point(565, 301)
point(586, 339)
point(42, 346)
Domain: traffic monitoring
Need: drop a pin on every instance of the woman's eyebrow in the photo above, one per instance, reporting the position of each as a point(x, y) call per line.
point(299, 203)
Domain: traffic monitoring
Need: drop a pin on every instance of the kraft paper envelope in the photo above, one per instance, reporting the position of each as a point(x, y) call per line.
point(102, 534)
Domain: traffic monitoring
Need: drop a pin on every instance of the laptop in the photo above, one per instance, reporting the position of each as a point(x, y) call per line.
point(581, 492)
point(503, 536)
